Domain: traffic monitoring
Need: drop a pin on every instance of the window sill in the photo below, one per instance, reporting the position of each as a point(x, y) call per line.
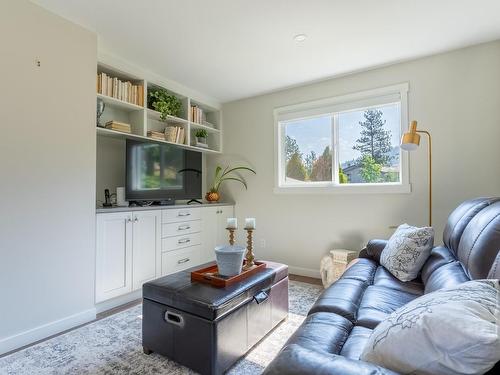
point(345, 189)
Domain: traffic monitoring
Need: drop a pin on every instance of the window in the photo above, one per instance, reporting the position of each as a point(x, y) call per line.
point(348, 143)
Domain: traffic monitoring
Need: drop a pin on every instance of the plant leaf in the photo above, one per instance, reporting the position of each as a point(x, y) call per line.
point(234, 179)
point(226, 171)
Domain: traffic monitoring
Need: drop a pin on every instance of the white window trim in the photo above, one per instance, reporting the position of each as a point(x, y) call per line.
point(362, 99)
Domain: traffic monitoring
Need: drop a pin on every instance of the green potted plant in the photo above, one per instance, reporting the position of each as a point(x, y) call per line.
point(163, 102)
point(201, 136)
point(228, 174)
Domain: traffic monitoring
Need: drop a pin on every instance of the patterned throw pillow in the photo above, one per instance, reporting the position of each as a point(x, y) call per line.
point(449, 331)
point(407, 250)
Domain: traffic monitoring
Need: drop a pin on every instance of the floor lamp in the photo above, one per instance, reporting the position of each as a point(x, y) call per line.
point(409, 142)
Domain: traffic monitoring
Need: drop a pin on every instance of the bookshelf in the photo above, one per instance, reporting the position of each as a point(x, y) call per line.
point(143, 119)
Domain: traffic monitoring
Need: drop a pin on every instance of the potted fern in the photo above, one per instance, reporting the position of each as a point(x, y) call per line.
point(160, 100)
point(226, 174)
point(201, 136)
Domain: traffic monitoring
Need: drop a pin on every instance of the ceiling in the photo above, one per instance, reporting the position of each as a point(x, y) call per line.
point(231, 49)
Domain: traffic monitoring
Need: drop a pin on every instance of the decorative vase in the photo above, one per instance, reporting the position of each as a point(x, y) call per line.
point(212, 196)
point(201, 140)
point(229, 259)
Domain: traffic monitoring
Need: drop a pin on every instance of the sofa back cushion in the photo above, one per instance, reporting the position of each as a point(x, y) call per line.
point(460, 218)
point(472, 234)
point(480, 242)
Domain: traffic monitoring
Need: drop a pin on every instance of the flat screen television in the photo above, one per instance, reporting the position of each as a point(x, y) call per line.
point(161, 173)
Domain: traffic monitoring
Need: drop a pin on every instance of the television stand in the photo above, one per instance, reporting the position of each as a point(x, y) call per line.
point(191, 201)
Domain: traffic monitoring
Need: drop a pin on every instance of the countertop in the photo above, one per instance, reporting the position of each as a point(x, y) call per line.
point(101, 210)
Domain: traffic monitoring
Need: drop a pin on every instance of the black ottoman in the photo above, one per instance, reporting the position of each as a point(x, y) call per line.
point(208, 329)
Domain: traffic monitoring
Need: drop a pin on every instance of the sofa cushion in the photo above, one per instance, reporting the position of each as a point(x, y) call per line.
point(297, 360)
point(407, 250)
point(378, 302)
point(343, 298)
point(385, 279)
point(324, 332)
point(356, 342)
point(450, 331)
point(361, 269)
point(447, 276)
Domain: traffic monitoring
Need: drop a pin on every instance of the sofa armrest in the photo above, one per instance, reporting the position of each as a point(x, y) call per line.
point(373, 250)
point(297, 360)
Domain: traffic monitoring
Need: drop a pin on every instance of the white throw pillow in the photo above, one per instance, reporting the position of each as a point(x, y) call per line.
point(449, 331)
point(407, 250)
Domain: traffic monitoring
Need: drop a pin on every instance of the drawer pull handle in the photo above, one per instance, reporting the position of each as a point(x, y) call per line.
point(183, 261)
point(184, 227)
point(182, 214)
point(184, 240)
point(261, 297)
point(174, 318)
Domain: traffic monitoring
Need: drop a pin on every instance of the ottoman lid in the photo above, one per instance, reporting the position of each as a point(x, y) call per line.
point(203, 300)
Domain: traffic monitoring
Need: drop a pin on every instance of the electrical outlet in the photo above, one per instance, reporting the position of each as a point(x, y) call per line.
point(262, 243)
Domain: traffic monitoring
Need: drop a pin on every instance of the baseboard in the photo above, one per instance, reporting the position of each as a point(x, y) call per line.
point(309, 272)
point(19, 340)
point(118, 301)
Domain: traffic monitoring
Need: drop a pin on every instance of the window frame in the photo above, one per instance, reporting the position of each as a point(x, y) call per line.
point(332, 106)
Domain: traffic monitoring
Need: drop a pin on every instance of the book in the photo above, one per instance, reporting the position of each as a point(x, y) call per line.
point(170, 133)
point(122, 90)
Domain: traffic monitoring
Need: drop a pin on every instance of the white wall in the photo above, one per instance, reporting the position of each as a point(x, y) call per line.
point(47, 169)
point(456, 96)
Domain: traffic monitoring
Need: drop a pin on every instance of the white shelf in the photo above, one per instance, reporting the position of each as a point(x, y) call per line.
point(120, 135)
point(113, 102)
point(209, 129)
point(155, 115)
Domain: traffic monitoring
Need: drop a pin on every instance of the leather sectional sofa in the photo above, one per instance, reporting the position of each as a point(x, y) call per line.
point(332, 337)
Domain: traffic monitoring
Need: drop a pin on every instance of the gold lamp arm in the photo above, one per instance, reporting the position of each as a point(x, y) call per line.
point(430, 172)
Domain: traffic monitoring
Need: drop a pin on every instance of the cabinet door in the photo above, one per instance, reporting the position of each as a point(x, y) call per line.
point(113, 255)
point(209, 233)
point(146, 247)
point(225, 212)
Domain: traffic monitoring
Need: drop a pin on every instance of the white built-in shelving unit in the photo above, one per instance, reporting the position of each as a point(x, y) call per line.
point(143, 119)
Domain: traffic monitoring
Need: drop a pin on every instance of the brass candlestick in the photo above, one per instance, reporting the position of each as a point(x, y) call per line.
point(231, 236)
point(249, 255)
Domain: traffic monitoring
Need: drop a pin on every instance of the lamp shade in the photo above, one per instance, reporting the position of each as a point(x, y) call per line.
point(410, 140)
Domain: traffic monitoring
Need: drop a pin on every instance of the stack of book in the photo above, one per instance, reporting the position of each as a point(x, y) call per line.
point(156, 135)
point(118, 126)
point(197, 114)
point(175, 134)
point(125, 91)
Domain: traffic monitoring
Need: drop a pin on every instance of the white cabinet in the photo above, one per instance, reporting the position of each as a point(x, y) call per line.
point(214, 229)
point(134, 247)
point(145, 246)
point(127, 250)
point(113, 255)
point(222, 214)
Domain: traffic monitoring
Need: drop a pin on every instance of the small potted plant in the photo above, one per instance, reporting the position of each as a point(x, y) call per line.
point(163, 102)
point(228, 174)
point(201, 136)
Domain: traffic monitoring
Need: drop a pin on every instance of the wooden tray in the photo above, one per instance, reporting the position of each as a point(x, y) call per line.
point(209, 275)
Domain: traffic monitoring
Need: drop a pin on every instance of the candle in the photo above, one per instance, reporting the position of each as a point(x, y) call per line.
point(250, 223)
point(232, 223)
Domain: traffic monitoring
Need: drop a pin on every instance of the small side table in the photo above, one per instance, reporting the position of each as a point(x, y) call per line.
point(334, 265)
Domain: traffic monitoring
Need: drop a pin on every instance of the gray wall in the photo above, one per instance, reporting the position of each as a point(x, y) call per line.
point(456, 96)
point(47, 169)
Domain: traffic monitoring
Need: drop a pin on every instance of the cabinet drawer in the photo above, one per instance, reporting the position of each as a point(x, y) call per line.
point(178, 260)
point(180, 214)
point(180, 228)
point(178, 242)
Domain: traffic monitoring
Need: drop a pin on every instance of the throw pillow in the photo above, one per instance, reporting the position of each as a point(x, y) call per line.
point(449, 331)
point(407, 250)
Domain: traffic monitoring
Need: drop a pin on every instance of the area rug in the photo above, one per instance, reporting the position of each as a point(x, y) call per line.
point(113, 346)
